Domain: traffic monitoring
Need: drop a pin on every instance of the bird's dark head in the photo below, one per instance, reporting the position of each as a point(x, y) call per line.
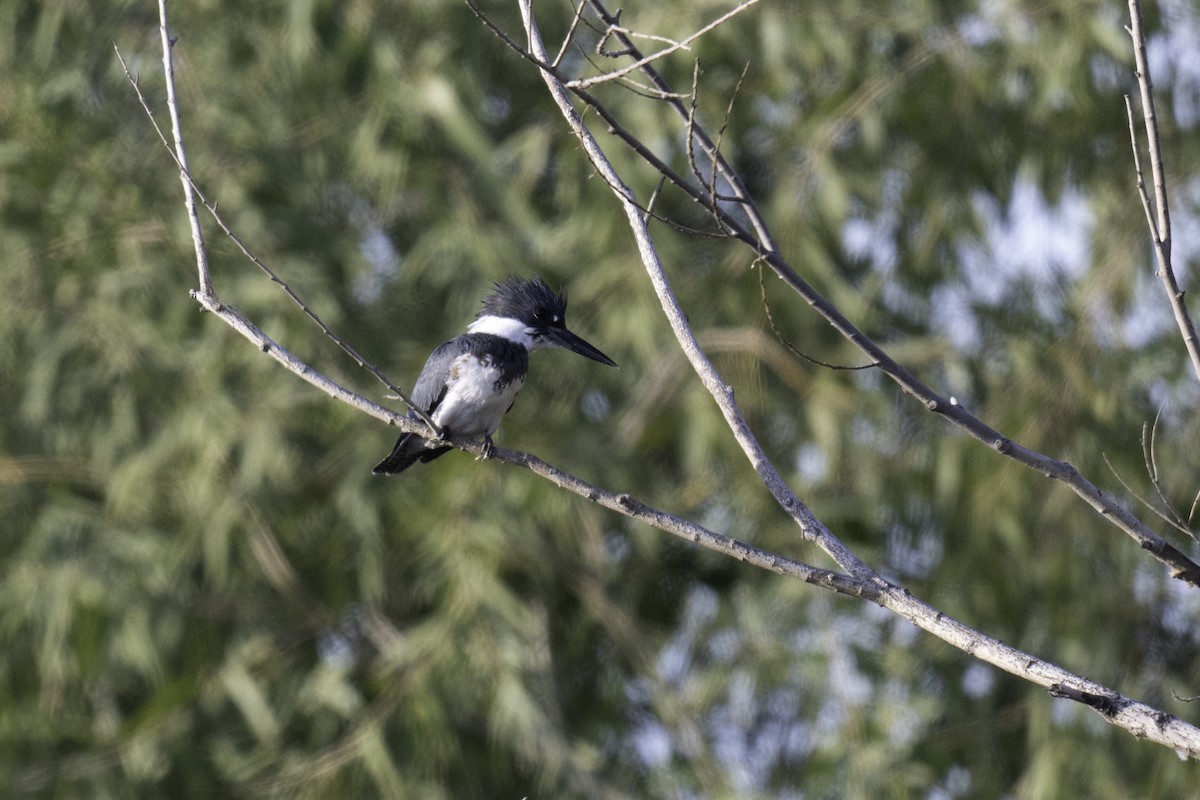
point(530, 301)
point(530, 312)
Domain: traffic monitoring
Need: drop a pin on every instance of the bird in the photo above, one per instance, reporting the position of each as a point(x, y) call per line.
point(469, 383)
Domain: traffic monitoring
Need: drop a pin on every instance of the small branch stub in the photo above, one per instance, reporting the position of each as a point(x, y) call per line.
point(1107, 705)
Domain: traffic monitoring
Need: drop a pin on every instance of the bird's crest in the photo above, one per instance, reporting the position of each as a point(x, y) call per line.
point(518, 298)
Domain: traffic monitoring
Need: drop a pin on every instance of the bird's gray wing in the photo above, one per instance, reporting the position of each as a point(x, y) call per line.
point(431, 383)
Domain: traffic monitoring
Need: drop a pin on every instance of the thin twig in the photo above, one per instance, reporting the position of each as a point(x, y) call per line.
point(689, 126)
point(1137, 168)
point(584, 83)
point(1150, 457)
point(762, 288)
point(689, 137)
point(1142, 64)
point(189, 200)
point(242, 324)
point(613, 125)
point(765, 241)
point(202, 258)
point(1149, 506)
point(562, 51)
point(1152, 470)
point(733, 96)
point(1160, 228)
point(649, 210)
point(614, 27)
point(649, 37)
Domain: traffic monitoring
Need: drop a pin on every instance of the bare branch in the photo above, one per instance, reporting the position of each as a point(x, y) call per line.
point(672, 98)
point(1160, 228)
point(1149, 506)
point(1137, 168)
point(611, 30)
point(1141, 720)
point(762, 242)
point(722, 393)
point(189, 200)
point(762, 288)
point(649, 210)
point(1150, 450)
point(240, 323)
point(192, 191)
point(562, 51)
point(1150, 458)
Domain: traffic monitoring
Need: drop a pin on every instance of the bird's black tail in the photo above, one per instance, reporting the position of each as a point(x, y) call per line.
point(409, 449)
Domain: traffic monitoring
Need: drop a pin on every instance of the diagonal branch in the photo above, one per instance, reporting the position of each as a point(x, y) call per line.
point(1141, 720)
point(759, 238)
point(721, 392)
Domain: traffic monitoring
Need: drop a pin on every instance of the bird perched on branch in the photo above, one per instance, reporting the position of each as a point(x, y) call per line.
point(469, 383)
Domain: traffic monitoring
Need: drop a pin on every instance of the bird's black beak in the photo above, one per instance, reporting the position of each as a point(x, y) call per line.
point(561, 337)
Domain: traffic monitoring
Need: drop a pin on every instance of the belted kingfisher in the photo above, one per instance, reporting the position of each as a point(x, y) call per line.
point(469, 383)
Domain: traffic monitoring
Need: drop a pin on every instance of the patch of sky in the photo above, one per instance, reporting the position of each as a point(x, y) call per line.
point(384, 265)
point(377, 250)
point(913, 550)
point(978, 680)
point(1174, 59)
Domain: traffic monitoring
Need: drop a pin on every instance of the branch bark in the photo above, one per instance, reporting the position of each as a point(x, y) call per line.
point(180, 154)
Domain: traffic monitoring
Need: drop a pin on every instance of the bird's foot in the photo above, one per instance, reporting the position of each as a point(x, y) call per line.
point(487, 449)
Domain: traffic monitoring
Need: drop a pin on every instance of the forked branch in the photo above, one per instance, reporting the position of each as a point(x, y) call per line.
point(1141, 720)
point(757, 235)
point(206, 294)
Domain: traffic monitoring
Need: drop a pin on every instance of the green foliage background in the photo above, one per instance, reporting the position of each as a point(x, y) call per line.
point(205, 593)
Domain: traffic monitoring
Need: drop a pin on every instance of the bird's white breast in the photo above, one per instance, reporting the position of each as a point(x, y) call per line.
point(474, 404)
